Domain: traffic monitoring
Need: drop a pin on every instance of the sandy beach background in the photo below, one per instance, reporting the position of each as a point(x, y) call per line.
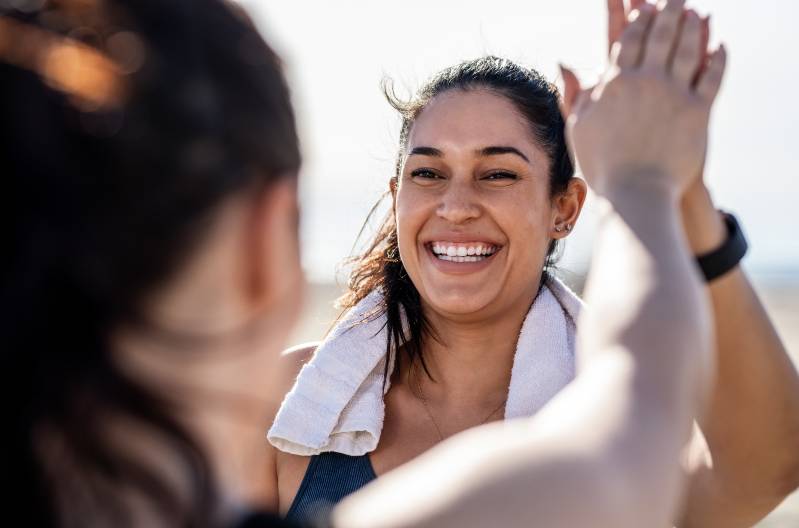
point(779, 293)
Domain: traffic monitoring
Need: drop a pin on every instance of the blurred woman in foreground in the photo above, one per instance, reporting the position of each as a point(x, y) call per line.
point(150, 159)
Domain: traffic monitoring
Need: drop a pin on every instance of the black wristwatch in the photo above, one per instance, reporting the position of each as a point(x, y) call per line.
point(721, 260)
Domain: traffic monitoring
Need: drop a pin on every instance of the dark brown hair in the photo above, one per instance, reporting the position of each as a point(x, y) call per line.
point(111, 176)
point(379, 267)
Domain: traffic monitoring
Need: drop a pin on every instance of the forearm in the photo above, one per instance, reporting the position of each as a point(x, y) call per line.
point(752, 427)
point(662, 321)
point(645, 294)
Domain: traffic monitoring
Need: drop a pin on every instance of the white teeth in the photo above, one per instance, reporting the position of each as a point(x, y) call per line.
point(462, 253)
point(460, 259)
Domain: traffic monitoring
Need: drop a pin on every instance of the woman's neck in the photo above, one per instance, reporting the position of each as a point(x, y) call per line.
point(471, 361)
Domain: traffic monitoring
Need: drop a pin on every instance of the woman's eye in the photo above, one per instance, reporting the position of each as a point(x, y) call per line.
point(426, 174)
point(494, 176)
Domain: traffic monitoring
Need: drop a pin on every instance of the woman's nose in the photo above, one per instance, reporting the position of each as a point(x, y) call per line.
point(459, 203)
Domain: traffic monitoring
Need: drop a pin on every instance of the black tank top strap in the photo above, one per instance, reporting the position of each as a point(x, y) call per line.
point(329, 478)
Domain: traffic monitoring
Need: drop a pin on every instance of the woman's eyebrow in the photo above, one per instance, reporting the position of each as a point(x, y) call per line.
point(486, 151)
point(426, 151)
point(498, 150)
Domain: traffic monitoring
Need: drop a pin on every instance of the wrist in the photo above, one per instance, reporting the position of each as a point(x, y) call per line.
point(703, 225)
point(641, 205)
point(641, 186)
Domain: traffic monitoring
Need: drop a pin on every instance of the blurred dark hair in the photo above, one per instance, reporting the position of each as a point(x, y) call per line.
point(124, 125)
point(379, 266)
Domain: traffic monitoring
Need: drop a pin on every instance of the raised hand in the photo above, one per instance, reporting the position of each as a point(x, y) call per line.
point(618, 16)
point(650, 112)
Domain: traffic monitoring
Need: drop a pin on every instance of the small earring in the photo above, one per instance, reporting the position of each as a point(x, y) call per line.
point(558, 229)
point(568, 228)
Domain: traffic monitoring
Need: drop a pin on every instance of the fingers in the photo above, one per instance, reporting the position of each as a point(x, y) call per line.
point(627, 51)
point(705, 34)
point(571, 89)
point(617, 19)
point(636, 4)
point(703, 46)
point(688, 55)
point(662, 36)
point(709, 83)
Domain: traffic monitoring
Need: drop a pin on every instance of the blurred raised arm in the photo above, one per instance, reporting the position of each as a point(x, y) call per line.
point(748, 461)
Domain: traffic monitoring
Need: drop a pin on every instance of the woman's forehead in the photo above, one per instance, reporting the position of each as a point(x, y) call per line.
point(470, 119)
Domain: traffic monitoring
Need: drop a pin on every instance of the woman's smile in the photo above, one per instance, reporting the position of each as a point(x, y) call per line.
point(461, 257)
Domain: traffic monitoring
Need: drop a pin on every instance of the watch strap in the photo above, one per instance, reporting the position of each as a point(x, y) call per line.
point(721, 260)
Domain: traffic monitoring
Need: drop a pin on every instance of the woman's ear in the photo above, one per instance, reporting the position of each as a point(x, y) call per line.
point(272, 253)
point(567, 206)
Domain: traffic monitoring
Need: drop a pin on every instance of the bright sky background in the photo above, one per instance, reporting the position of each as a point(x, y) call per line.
point(337, 52)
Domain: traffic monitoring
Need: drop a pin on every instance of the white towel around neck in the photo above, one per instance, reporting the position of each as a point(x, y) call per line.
point(336, 403)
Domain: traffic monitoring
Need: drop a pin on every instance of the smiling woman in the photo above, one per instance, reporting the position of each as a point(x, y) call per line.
point(482, 162)
point(458, 275)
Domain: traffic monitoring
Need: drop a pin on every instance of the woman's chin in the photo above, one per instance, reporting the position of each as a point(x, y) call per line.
point(459, 302)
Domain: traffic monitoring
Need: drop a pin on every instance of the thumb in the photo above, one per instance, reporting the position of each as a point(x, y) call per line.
point(571, 90)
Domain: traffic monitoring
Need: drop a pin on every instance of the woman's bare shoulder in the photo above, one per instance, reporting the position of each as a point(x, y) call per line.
point(292, 360)
point(287, 368)
point(304, 350)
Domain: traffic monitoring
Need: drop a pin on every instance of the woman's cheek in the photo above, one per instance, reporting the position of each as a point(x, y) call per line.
point(527, 228)
point(409, 222)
